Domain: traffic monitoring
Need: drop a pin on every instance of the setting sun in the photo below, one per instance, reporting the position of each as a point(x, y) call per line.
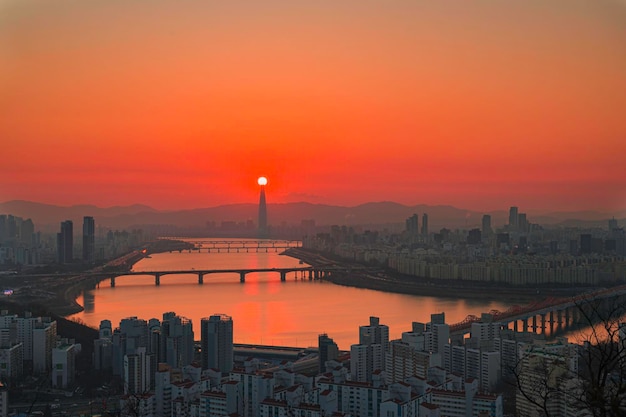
point(262, 181)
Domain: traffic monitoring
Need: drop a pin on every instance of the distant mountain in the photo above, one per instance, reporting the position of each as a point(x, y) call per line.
point(47, 217)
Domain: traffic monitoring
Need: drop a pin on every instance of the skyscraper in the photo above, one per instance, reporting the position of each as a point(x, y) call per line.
point(89, 239)
point(522, 223)
point(513, 218)
point(216, 342)
point(412, 225)
point(262, 181)
point(425, 225)
point(486, 225)
point(65, 243)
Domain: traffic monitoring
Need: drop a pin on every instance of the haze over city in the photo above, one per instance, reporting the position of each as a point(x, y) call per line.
point(481, 105)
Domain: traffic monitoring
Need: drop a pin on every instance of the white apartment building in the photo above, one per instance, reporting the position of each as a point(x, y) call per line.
point(404, 361)
point(554, 365)
point(402, 402)
point(490, 371)
point(63, 364)
point(44, 339)
point(11, 362)
point(467, 403)
point(137, 370)
point(255, 388)
point(356, 398)
point(365, 360)
point(222, 402)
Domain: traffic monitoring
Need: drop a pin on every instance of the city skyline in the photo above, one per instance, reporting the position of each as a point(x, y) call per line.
point(473, 104)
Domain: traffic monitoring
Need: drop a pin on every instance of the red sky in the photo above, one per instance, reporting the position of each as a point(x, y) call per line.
point(477, 104)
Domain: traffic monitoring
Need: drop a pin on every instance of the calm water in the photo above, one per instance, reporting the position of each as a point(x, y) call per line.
point(264, 309)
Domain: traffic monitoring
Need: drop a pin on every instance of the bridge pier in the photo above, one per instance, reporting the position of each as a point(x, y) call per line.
point(515, 326)
point(242, 277)
point(535, 324)
point(200, 278)
point(525, 324)
point(543, 323)
point(283, 276)
point(310, 274)
point(157, 279)
point(112, 281)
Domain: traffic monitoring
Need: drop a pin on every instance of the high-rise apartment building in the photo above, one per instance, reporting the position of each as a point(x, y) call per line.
point(132, 334)
point(412, 225)
point(513, 218)
point(328, 351)
point(364, 360)
point(425, 225)
point(374, 333)
point(89, 239)
point(137, 372)
point(176, 338)
point(486, 225)
point(65, 243)
point(522, 223)
point(64, 364)
point(216, 343)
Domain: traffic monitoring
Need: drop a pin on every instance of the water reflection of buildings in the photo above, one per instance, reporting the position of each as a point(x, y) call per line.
point(89, 300)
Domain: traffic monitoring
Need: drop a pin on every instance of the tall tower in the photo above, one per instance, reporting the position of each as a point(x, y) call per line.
point(89, 239)
point(216, 342)
point(65, 243)
point(425, 225)
point(262, 181)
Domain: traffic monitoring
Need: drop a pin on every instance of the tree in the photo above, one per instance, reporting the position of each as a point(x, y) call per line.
point(588, 381)
point(602, 364)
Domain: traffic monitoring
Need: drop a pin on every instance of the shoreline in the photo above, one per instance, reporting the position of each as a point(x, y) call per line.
point(403, 284)
point(62, 297)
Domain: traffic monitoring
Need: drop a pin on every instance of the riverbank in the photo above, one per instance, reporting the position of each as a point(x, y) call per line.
point(377, 279)
point(58, 295)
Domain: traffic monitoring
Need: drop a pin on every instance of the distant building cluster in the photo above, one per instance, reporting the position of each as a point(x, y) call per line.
point(19, 243)
point(519, 253)
point(109, 245)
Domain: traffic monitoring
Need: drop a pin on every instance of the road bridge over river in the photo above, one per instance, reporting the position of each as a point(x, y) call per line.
point(310, 272)
point(307, 271)
point(539, 315)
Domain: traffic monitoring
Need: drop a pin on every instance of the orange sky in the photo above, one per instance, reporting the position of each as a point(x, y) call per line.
point(478, 104)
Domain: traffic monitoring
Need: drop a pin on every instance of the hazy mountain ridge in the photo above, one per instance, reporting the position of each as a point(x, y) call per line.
point(47, 217)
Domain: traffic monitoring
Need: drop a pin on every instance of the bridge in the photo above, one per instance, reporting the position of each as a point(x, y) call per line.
point(240, 245)
point(312, 273)
point(536, 316)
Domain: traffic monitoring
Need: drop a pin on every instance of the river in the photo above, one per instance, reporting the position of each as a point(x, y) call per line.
point(264, 309)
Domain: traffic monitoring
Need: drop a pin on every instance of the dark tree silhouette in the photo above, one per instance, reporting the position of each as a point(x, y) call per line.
point(548, 383)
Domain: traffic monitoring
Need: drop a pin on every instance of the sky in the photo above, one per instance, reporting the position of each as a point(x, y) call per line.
point(183, 104)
